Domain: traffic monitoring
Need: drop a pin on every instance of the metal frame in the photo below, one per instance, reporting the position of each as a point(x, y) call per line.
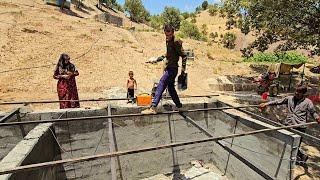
point(309, 137)
point(229, 150)
point(115, 153)
point(11, 114)
point(118, 116)
point(95, 100)
point(146, 149)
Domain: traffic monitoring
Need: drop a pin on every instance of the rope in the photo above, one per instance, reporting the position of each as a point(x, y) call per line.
point(55, 137)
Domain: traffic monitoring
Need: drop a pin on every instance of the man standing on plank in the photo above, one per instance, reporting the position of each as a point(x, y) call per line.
point(174, 52)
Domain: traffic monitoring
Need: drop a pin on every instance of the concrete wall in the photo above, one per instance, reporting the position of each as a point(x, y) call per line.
point(10, 136)
point(38, 146)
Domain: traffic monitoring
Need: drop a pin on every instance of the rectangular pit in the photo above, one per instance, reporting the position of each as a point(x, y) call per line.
point(266, 153)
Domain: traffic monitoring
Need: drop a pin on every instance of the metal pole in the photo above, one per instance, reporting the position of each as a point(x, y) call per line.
point(314, 139)
point(280, 161)
point(88, 100)
point(23, 132)
point(236, 155)
point(291, 71)
point(206, 114)
point(70, 143)
point(119, 116)
point(293, 155)
point(176, 168)
point(234, 131)
point(111, 147)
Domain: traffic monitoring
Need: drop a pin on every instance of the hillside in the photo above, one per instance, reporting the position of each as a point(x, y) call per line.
point(217, 24)
point(34, 35)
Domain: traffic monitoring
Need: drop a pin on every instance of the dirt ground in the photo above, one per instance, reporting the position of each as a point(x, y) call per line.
point(33, 36)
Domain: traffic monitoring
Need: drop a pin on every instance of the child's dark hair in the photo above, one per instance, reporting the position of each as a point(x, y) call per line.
point(168, 28)
point(130, 72)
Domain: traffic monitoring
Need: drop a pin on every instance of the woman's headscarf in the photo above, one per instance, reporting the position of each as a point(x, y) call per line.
point(62, 65)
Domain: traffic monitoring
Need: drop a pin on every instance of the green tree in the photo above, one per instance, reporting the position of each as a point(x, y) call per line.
point(156, 22)
point(136, 10)
point(118, 7)
point(171, 16)
point(198, 9)
point(109, 3)
point(185, 15)
point(204, 5)
point(229, 39)
point(294, 24)
point(113, 4)
point(230, 22)
point(190, 30)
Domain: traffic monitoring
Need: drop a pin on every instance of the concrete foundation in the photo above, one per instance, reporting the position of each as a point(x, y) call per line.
point(38, 146)
point(268, 152)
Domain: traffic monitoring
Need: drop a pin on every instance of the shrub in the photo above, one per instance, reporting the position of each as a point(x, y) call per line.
point(285, 57)
point(190, 30)
point(229, 39)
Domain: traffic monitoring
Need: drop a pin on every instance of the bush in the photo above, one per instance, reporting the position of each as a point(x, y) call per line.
point(185, 15)
point(288, 57)
point(156, 22)
point(190, 30)
point(204, 29)
point(229, 40)
point(198, 9)
point(213, 36)
point(204, 5)
point(193, 20)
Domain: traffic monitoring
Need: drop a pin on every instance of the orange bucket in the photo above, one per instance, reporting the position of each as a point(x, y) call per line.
point(144, 99)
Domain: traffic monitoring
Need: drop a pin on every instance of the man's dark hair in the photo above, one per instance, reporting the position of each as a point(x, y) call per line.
point(168, 28)
point(302, 89)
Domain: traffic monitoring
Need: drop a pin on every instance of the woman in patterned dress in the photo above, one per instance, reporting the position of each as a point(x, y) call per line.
point(65, 72)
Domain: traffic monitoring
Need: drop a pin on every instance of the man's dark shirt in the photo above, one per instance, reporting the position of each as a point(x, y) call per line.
point(174, 51)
